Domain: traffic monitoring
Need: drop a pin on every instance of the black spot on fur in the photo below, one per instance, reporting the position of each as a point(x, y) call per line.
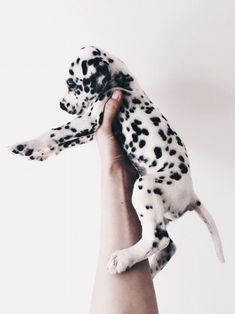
point(153, 164)
point(136, 128)
point(141, 143)
point(66, 144)
point(176, 176)
point(163, 168)
point(179, 142)
point(145, 132)
point(172, 152)
point(142, 158)
point(135, 138)
point(136, 101)
point(158, 152)
point(181, 158)
point(157, 191)
point(148, 110)
point(164, 117)
point(71, 84)
point(170, 131)
point(155, 120)
point(162, 134)
point(90, 61)
point(29, 152)
point(79, 87)
point(20, 147)
point(137, 121)
point(183, 168)
point(67, 137)
point(84, 67)
point(160, 233)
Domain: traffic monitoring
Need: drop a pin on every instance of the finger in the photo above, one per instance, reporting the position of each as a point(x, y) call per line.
point(111, 109)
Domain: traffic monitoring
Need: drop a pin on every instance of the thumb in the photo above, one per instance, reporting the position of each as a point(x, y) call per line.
point(111, 109)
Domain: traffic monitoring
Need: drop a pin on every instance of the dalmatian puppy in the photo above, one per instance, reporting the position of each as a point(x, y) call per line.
point(164, 191)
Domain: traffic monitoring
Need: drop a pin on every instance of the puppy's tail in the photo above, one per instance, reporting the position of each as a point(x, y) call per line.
point(209, 221)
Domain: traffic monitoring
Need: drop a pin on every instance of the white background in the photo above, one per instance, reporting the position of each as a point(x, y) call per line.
point(182, 52)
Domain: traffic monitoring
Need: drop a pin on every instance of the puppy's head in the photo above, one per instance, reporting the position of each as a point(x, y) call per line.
point(92, 77)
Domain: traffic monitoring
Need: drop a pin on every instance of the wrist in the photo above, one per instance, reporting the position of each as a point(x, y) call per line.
point(117, 181)
point(118, 170)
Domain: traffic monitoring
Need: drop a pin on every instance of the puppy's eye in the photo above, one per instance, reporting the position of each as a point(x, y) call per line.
point(71, 83)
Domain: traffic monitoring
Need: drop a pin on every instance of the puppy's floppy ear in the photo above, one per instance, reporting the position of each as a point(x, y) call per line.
point(99, 80)
point(99, 84)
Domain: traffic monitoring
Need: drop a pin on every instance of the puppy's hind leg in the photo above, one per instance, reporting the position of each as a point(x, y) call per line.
point(159, 260)
point(149, 207)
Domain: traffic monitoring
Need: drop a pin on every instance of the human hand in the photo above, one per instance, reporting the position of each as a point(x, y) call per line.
point(113, 159)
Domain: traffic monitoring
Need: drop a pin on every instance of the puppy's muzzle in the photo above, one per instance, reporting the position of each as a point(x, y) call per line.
point(62, 106)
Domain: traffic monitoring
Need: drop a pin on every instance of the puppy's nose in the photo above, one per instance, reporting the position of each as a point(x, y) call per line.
point(62, 106)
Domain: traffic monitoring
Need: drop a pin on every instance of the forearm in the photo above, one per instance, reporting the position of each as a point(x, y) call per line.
point(130, 292)
point(120, 224)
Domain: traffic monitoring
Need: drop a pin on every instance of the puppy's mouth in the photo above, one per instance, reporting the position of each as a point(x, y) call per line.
point(62, 106)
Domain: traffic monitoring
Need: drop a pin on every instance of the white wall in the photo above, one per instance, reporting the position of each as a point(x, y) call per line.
point(182, 52)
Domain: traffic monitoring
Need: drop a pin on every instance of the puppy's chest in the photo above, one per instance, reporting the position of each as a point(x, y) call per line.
point(147, 138)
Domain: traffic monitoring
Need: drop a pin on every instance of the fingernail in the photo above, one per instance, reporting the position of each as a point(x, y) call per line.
point(116, 95)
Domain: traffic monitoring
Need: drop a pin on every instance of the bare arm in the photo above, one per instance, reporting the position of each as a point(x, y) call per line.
point(132, 291)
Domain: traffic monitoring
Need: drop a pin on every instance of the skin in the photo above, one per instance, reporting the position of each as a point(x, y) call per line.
point(132, 291)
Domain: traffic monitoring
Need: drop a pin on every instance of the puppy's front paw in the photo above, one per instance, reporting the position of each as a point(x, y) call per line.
point(119, 262)
point(36, 149)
